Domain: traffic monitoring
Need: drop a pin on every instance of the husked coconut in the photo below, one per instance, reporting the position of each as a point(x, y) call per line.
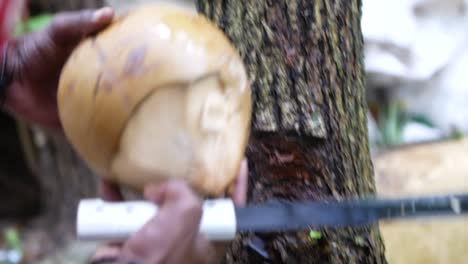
point(161, 93)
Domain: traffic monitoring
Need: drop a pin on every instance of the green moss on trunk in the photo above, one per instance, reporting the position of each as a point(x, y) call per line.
point(309, 136)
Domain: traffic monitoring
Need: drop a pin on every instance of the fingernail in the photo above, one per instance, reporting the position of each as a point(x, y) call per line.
point(101, 13)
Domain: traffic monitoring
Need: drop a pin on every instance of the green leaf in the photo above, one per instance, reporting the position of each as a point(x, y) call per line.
point(391, 123)
point(315, 235)
point(421, 120)
point(12, 239)
point(35, 23)
point(38, 22)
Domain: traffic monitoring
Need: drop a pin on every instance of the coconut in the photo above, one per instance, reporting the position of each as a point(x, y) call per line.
point(161, 93)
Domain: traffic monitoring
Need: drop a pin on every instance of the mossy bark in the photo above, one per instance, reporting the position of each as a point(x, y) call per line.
point(309, 136)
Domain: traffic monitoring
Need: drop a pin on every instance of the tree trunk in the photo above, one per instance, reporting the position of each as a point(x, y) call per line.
point(309, 136)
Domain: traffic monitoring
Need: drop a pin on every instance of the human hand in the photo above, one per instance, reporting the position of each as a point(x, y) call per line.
point(35, 62)
point(172, 236)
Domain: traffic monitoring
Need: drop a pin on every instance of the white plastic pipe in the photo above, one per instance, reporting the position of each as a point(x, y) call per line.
point(122, 6)
point(99, 220)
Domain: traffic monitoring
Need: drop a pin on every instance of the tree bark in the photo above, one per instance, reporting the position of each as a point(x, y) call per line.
point(309, 135)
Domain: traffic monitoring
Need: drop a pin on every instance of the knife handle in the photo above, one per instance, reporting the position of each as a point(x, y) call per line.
point(99, 220)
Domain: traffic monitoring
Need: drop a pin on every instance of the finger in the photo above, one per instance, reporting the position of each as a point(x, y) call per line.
point(106, 254)
point(110, 191)
point(155, 192)
point(239, 196)
point(71, 27)
point(171, 233)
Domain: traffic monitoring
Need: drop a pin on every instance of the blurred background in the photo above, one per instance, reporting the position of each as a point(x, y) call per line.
point(416, 59)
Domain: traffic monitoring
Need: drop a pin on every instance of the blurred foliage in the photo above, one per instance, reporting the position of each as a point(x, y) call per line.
point(33, 24)
point(12, 254)
point(314, 235)
point(393, 118)
point(12, 239)
point(391, 122)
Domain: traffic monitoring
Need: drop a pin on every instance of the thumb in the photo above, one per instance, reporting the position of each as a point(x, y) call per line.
point(68, 28)
point(175, 227)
